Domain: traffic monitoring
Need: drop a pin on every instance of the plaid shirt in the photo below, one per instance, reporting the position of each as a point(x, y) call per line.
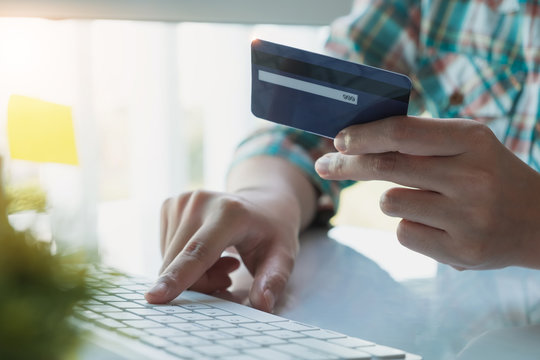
point(469, 59)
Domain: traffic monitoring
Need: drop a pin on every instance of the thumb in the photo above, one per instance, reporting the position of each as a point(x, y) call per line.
point(270, 279)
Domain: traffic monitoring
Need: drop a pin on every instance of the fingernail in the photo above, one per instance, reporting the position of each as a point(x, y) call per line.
point(339, 142)
point(322, 165)
point(159, 289)
point(269, 298)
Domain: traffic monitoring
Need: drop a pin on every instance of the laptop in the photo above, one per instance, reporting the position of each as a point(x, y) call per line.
point(122, 325)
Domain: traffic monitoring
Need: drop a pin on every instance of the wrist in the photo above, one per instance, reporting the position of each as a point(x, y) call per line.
point(277, 203)
point(278, 183)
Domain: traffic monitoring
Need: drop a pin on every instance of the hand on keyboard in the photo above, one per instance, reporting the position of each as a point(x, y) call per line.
point(197, 227)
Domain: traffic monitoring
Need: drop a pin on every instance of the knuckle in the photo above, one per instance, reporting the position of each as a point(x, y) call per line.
point(288, 258)
point(232, 207)
point(199, 196)
point(383, 163)
point(277, 280)
point(338, 166)
point(197, 250)
point(169, 279)
point(397, 131)
point(172, 203)
point(478, 133)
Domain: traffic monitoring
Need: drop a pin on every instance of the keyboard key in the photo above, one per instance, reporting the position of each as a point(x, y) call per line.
point(294, 326)
point(171, 309)
point(195, 306)
point(285, 334)
point(235, 319)
point(126, 305)
point(155, 341)
point(107, 298)
point(352, 342)
point(333, 349)
point(216, 350)
point(142, 324)
point(109, 323)
point(182, 351)
point(265, 353)
point(145, 312)
point(193, 317)
point(188, 327)
point(236, 331)
point(131, 332)
point(251, 313)
point(89, 315)
point(238, 344)
point(384, 352)
point(113, 290)
point(265, 340)
point(123, 316)
point(323, 334)
point(102, 308)
point(120, 282)
point(165, 319)
point(303, 352)
point(259, 326)
point(213, 312)
point(215, 324)
point(132, 296)
point(140, 281)
point(237, 357)
point(144, 303)
point(136, 287)
point(98, 292)
point(190, 341)
point(166, 332)
point(214, 335)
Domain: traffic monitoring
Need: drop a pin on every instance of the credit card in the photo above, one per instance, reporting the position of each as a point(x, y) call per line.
point(321, 94)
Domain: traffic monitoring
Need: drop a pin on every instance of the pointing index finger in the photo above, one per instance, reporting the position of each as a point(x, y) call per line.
point(200, 253)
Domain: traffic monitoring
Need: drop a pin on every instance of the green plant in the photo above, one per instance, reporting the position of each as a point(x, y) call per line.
point(38, 293)
point(29, 196)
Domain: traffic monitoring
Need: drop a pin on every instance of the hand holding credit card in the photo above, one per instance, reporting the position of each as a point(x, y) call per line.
point(321, 94)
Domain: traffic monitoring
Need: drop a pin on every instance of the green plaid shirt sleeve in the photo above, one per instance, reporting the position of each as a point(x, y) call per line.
point(301, 149)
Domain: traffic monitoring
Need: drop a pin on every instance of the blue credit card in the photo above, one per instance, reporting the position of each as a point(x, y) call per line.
point(321, 94)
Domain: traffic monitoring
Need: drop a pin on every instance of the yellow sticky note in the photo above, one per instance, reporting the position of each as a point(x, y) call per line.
point(40, 131)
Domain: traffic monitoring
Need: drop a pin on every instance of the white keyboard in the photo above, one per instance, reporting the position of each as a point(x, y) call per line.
point(198, 326)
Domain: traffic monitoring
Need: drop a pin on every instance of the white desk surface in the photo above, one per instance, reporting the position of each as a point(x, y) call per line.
point(337, 287)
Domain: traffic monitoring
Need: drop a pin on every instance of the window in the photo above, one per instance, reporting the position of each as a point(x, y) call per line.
point(158, 109)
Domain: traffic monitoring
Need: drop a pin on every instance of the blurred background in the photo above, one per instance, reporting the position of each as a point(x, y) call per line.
point(158, 108)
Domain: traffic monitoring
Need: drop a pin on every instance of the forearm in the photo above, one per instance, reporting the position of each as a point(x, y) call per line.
point(277, 182)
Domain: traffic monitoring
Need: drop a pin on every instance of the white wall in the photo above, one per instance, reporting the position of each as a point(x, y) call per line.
point(297, 12)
